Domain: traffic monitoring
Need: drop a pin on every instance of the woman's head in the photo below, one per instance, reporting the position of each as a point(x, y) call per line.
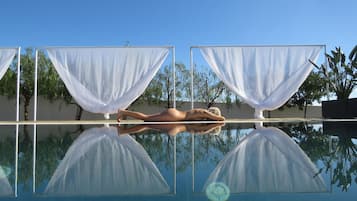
point(215, 110)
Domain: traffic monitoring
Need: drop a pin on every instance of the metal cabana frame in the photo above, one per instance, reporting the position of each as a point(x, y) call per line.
point(192, 69)
point(172, 48)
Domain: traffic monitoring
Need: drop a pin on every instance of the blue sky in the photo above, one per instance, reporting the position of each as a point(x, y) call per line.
point(181, 23)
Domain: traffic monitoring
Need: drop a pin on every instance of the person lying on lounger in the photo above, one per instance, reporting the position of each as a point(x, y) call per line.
point(172, 114)
point(173, 129)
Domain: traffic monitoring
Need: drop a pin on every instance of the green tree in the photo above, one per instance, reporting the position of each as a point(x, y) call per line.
point(51, 85)
point(166, 79)
point(161, 88)
point(210, 88)
point(339, 75)
point(353, 58)
point(313, 89)
point(27, 80)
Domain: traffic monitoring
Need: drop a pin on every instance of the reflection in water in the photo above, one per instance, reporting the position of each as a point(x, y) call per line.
point(101, 162)
point(267, 160)
point(174, 129)
point(217, 191)
point(5, 187)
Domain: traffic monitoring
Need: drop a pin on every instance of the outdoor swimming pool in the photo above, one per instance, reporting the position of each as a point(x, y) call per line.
point(238, 161)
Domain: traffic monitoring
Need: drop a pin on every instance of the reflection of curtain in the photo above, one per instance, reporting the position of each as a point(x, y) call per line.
point(5, 187)
point(267, 160)
point(263, 77)
point(6, 57)
point(103, 162)
point(102, 80)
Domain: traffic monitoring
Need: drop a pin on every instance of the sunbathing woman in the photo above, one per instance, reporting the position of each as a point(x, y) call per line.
point(172, 114)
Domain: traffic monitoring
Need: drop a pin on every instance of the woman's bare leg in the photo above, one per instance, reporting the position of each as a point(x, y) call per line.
point(126, 113)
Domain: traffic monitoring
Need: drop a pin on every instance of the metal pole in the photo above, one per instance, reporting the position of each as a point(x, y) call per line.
point(174, 76)
point(16, 158)
point(18, 84)
point(175, 165)
point(210, 46)
point(34, 159)
point(193, 161)
point(191, 64)
point(118, 47)
point(35, 127)
point(35, 90)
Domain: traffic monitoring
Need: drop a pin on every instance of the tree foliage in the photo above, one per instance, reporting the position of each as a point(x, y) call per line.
point(313, 89)
point(51, 85)
point(27, 80)
point(339, 74)
point(161, 88)
point(209, 88)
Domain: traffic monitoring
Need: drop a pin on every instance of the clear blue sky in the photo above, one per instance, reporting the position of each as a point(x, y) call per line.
point(181, 23)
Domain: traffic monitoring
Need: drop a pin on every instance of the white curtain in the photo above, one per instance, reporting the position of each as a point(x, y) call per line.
point(267, 160)
point(103, 162)
point(6, 57)
point(102, 80)
point(264, 77)
point(5, 187)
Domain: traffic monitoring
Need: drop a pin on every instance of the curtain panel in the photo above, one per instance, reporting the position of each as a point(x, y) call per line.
point(6, 57)
point(263, 77)
point(102, 80)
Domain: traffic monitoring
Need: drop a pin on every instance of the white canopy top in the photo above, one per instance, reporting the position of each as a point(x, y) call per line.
point(264, 77)
point(103, 80)
point(6, 57)
point(101, 162)
point(267, 160)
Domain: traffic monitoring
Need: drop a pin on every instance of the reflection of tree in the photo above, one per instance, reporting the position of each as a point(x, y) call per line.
point(159, 146)
point(343, 163)
point(341, 159)
point(312, 140)
point(210, 148)
point(50, 151)
point(25, 158)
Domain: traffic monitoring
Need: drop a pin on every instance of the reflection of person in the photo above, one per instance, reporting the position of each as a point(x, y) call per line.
point(172, 114)
point(173, 129)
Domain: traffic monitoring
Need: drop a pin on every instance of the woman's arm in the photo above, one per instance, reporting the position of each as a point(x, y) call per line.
point(212, 116)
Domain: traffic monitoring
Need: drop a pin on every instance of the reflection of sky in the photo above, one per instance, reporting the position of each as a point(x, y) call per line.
point(354, 141)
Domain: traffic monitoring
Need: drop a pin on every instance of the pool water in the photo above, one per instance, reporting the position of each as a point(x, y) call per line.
point(279, 161)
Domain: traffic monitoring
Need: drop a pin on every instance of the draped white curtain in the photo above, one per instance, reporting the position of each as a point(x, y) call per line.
point(5, 187)
point(6, 57)
point(102, 80)
point(267, 160)
point(264, 77)
point(104, 162)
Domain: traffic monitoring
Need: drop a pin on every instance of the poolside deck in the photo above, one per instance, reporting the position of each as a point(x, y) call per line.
point(124, 122)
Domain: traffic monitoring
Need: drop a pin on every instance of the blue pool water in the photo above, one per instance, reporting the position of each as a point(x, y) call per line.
point(280, 161)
